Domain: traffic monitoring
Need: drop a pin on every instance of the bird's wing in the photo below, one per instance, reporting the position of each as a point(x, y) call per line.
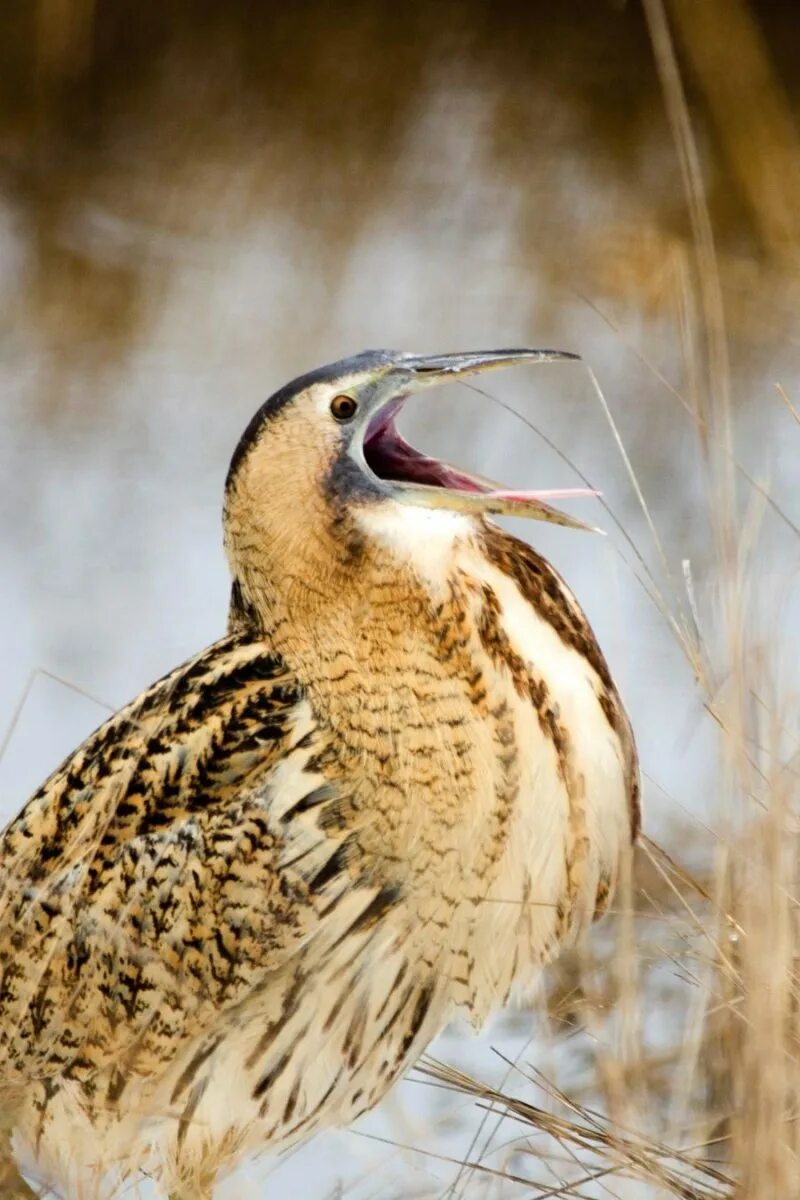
point(184, 852)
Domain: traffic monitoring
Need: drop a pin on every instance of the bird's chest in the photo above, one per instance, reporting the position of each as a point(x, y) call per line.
point(493, 781)
point(487, 781)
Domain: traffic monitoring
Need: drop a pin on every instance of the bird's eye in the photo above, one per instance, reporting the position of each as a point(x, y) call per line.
point(344, 408)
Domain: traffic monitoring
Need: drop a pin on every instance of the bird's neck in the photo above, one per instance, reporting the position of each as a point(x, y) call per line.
point(364, 588)
point(384, 648)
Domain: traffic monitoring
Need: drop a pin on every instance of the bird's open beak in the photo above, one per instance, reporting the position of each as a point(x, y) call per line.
point(431, 483)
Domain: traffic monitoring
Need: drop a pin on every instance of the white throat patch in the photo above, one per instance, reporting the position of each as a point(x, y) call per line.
point(423, 537)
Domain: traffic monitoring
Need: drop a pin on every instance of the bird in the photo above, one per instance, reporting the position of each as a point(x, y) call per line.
point(397, 786)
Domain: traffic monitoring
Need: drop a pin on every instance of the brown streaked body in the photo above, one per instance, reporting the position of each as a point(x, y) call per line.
point(397, 786)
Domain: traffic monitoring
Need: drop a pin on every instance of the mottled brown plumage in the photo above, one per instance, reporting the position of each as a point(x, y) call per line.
point(396, 787)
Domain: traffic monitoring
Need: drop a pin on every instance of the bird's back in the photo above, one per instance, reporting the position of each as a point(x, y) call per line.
point(137, 866)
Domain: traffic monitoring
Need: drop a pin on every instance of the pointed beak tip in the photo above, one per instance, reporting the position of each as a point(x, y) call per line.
point(552, 355)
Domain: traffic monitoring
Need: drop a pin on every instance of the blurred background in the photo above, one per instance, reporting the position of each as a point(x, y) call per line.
point(202, 200)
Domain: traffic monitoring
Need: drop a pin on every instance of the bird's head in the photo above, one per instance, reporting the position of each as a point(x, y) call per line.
point(324, 452)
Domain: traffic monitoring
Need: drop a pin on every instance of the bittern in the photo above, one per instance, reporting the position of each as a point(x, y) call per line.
point(395, 788)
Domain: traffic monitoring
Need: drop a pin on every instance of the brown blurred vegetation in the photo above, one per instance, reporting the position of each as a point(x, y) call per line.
point(182, 118)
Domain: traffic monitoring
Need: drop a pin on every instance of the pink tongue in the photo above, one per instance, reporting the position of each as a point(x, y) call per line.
point(545, 494)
